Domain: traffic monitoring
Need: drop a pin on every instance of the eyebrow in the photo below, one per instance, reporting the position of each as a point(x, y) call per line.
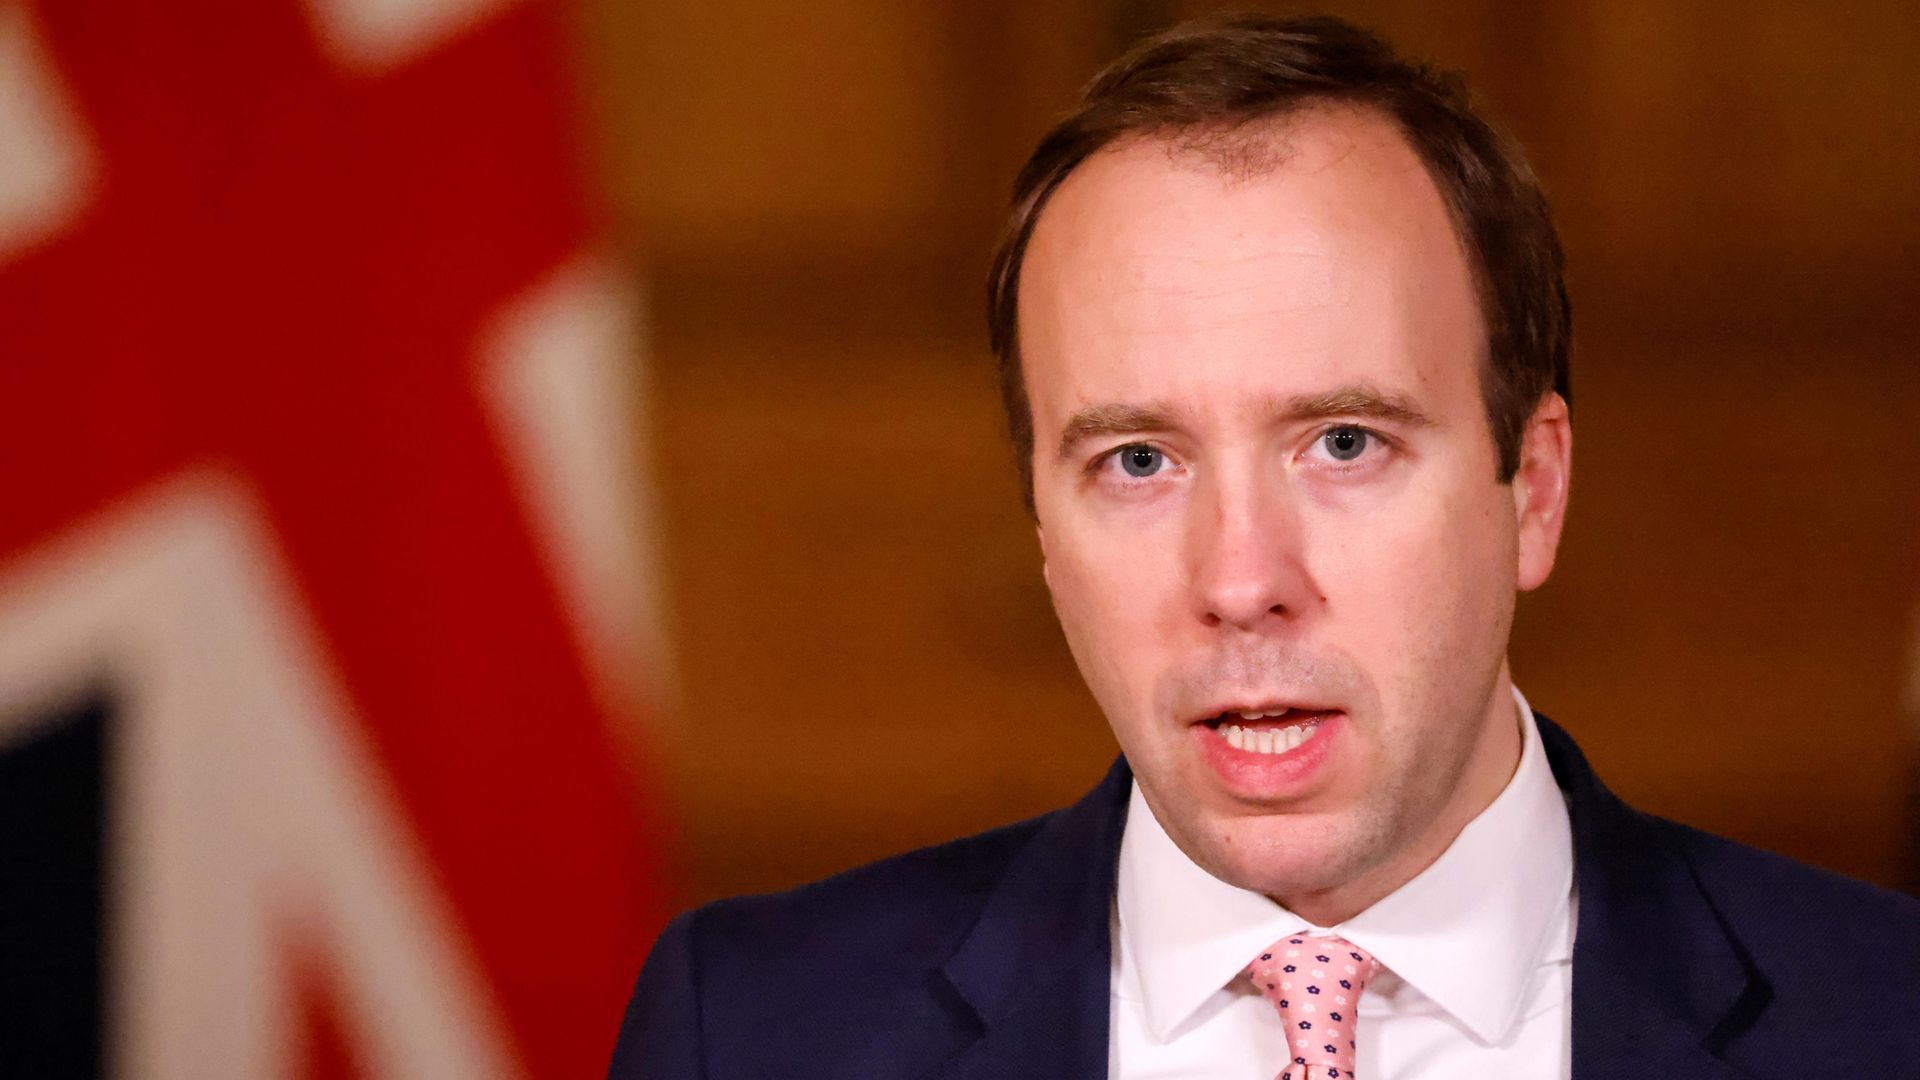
point(1116, 418)
point(1101, 421)
point(1363, 401)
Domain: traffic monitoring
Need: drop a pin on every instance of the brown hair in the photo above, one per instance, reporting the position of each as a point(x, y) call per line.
point(1218, 74)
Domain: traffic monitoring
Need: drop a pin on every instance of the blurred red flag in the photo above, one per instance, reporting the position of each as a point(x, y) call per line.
point(316, 466)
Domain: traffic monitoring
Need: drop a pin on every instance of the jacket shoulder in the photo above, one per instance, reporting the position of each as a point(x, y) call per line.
point(1797, 927)
point(1806, 929)
point(829, 978)
point(909, 910)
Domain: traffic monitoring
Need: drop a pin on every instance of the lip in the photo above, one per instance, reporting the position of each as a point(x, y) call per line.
point(1234, 708)
point(1251, 775)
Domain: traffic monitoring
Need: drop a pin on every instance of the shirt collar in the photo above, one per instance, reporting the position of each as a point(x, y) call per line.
point(1466, 932)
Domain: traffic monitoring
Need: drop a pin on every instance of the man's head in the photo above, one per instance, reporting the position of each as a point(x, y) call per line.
point(1202, 83)
point(1282, 326)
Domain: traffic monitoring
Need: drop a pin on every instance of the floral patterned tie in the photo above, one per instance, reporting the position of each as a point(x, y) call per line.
point(1315, 983)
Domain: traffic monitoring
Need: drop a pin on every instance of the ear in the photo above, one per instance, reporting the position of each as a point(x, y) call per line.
point(1540, 489)
point(1045, 574)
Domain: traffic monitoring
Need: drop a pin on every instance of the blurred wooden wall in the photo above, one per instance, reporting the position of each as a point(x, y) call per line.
point(865, 653)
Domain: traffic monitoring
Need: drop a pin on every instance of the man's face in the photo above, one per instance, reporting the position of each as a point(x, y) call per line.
point(1266, 484)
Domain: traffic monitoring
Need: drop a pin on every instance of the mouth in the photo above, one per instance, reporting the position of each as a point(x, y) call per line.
point(1267, 733)
point(1269, 750)
point(1268, 729)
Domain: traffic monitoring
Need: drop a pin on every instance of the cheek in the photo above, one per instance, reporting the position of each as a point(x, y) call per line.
point(1115, 602)
point(1417, 587)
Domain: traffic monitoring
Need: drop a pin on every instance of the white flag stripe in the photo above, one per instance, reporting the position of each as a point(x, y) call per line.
point(248, 826)
point(47, 162)
point(374, 36)
point(561, 373)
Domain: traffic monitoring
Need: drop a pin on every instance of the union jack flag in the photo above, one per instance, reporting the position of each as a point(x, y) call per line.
point(323, 598)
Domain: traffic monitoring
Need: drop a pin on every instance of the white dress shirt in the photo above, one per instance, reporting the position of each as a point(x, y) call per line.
point(1476, 954)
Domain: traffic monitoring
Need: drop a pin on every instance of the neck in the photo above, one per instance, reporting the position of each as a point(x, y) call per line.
point(1489, 769)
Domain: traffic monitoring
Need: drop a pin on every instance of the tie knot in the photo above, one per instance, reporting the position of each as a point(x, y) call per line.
point(1314, 983)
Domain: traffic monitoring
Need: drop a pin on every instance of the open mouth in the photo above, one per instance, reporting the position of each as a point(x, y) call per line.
point(1268, 731)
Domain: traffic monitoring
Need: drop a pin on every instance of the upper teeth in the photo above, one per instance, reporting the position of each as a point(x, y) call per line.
point(1268, 740)
point(1264, 715)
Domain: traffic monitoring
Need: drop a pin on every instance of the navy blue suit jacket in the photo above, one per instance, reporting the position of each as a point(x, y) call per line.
point(987, 959)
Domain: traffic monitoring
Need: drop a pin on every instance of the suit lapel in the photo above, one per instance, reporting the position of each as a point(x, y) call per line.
point(1619, 1030)
point(1659, 983)
point(1034, 969)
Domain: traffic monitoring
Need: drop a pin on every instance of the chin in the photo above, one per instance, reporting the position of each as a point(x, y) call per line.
point(1283, 855)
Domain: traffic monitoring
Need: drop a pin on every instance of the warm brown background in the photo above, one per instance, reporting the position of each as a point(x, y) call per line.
point(865, 653)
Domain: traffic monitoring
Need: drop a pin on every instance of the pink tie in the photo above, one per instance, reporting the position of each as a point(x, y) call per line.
point(1314, 983)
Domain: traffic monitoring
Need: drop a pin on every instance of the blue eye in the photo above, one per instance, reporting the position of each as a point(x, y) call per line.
point(1140, 460)
point(1346, 443)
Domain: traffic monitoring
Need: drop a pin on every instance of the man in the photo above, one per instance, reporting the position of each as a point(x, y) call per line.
point(1284, 344)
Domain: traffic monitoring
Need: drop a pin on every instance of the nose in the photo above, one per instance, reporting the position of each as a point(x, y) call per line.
point(1247, 565)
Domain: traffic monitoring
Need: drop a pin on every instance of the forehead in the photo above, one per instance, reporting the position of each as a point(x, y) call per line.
point(1303, 250)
